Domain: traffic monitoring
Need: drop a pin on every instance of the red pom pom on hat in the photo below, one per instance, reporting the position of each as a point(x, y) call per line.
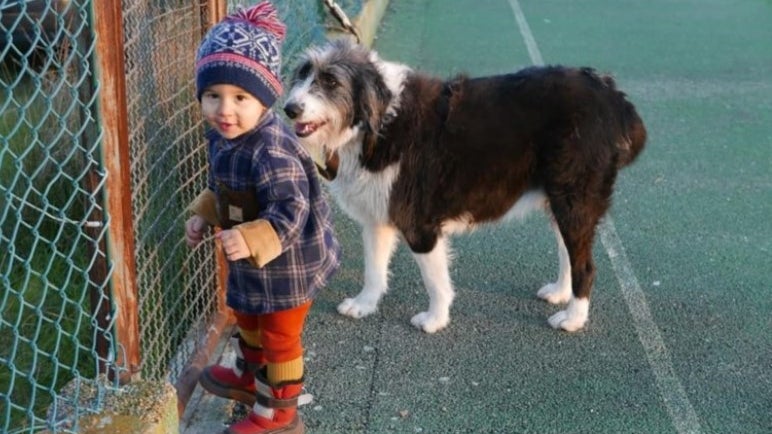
point(262, 15)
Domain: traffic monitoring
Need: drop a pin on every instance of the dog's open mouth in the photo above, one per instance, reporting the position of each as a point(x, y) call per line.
point(305, 129)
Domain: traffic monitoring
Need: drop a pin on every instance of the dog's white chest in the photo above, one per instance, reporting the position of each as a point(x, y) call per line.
point(363, 195)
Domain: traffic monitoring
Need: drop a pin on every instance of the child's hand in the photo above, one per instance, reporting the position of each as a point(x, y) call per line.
point(194, 230)
point(234, 245)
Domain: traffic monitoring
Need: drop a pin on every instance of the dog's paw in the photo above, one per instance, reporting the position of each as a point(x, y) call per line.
point(574, 317)
point(357, 307)
point(429, 323)
point(555, 294)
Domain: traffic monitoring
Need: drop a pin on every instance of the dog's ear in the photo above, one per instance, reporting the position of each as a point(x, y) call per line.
point(371, 101)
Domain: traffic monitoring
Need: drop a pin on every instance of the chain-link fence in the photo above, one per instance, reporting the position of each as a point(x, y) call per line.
point(100, 152)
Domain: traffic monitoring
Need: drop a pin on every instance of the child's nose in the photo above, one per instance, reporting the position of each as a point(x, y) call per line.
point(225, 107)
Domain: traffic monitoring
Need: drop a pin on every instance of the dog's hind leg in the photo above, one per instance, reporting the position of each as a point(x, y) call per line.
point(436, 277)
point(577, 224)
point(558, 292)
point(380, 242)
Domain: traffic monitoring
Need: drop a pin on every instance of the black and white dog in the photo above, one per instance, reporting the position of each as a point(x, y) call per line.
point(417, 157)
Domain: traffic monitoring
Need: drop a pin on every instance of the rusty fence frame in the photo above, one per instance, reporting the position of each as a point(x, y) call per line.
point(120, 242)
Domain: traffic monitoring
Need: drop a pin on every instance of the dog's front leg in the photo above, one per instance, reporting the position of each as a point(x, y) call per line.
point(379, 244)
point(436, 276)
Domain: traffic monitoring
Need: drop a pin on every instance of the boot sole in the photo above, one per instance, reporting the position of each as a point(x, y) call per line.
point(221, 390)
point(295, 428)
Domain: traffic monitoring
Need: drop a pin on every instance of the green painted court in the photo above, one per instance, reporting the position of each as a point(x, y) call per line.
point(680, 332)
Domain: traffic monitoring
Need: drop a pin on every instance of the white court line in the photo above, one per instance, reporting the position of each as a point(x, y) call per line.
point(673, 394)
point(525, 30)
point(678, 406)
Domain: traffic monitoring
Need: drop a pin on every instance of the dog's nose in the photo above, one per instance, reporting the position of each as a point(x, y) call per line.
point(293, 109)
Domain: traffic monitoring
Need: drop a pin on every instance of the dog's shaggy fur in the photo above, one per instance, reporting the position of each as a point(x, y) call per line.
point(418, 157)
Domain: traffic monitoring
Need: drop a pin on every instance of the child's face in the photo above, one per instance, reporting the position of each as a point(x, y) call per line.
point(230, 110)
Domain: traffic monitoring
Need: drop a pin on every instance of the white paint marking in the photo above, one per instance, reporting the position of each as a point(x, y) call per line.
point(672, 392)
point(525, 30)
point(677, 402)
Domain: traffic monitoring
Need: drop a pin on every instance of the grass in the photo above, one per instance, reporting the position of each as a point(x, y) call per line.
point(45, 325)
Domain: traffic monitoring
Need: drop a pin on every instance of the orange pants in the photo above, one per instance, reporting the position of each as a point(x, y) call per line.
point(280, 332)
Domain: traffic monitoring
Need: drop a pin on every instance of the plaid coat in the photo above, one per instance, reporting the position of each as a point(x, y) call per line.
point(270, 162)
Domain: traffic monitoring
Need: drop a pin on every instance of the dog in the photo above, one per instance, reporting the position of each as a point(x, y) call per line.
point(413, 157)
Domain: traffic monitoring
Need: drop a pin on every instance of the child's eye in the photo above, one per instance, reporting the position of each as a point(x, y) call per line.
point(211, 95)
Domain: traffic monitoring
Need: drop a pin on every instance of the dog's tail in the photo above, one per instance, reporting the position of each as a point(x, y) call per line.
point(635, 136)
point(634, 131)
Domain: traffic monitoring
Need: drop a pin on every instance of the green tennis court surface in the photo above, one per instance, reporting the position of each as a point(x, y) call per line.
point(679, 338)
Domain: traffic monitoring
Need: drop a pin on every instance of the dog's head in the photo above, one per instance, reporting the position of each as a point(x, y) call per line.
point(337, 93)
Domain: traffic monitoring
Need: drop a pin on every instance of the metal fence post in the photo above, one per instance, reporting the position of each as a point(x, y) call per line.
point(115, 154)
point(219, 10)
point(215, 10)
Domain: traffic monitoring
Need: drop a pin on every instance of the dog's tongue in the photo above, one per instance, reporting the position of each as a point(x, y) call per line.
point(304, 129)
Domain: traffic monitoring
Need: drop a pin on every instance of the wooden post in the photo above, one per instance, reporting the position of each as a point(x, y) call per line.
point(108, 27)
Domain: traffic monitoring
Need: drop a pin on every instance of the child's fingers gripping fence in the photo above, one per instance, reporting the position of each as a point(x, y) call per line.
point(203, 241)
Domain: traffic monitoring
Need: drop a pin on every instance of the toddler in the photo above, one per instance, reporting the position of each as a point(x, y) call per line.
point(277, 234)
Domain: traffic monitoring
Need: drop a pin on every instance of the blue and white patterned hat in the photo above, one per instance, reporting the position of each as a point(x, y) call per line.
point(244, 50)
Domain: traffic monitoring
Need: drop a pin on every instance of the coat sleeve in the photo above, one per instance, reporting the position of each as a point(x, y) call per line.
point(205, 205)
point(262, 241)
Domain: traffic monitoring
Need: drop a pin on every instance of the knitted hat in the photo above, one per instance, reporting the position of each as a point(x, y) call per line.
point(244, 50)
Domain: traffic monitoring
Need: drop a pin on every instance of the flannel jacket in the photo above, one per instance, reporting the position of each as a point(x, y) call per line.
point(293, 245)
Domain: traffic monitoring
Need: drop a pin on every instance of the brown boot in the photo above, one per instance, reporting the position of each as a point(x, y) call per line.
point(236, 382)
point(275, 410)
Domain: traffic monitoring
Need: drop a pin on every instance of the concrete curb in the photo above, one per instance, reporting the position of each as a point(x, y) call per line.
point(142, 407)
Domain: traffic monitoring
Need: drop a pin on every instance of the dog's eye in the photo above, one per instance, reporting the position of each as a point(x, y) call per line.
point(328, 81)
point(303, 71)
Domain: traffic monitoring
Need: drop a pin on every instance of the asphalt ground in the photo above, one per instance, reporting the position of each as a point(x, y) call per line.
point(679, 338)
